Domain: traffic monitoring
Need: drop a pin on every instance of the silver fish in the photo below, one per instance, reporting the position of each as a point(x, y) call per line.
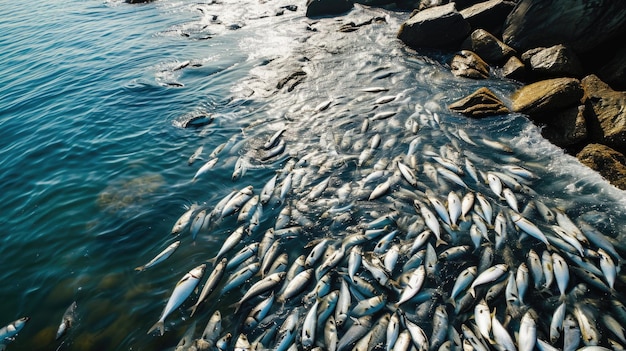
point(184, 220)
point(490, 275)
point(206, 167)
point(211, 283)
point(67, 321)
point(162, 256)
point(181, 292)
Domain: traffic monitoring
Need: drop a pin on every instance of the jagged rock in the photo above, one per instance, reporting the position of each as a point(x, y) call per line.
point(547, 96)
point(608, 162)
point(606, 113)
point(514, 69)
point(481, 103)
point(581, 24)
point(567, 127)
point(554, 61)
point(468, 64)
point(439, 27)
point(315, 8)
point(487, 46)
point(488, 15)
point(614, 71)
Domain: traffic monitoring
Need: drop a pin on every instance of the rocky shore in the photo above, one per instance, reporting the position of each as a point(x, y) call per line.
point(567, 53)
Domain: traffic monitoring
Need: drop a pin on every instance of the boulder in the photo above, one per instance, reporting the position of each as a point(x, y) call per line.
point(555, 61)
point(440, 27)
point(316, 8)
point(606, 113)
point(468, 64)
point(610, 163)
point(580, 24)
point(614, 71)
point(566, 128)
point(481, 103)
point(489, 14)
point(487, 46)
point(547, 96)
point(514, 69)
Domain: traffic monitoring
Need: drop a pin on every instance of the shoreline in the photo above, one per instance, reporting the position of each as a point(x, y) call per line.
point(572, 81)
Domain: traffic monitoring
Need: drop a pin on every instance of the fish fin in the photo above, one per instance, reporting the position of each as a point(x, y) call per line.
point(159, 326)
point(140, 268)
point(440, 242)
point(472, 292)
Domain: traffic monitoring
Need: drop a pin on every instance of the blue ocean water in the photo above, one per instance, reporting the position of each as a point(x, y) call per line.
point(94, 161)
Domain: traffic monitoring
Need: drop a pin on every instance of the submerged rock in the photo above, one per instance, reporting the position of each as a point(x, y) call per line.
point(581, 24)
point(315, 8)
point(487, 46)
point(608, 162)
point(468, 64)
point(481, 103)
point(489, 14)
point(557, 60)
point(547, 95)
point(606, 117)
point(440, 27)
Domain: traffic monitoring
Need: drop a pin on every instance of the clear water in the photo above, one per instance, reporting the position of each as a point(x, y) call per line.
point(93, 157)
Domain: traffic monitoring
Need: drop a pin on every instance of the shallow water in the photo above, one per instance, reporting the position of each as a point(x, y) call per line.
point(94, 159)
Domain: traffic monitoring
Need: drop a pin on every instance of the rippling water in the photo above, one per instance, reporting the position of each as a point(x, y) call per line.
point(94, 159)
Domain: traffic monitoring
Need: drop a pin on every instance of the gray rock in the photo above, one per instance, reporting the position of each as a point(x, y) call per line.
point(467, 64)
point(581, 24)
point(487, 46)
point(489, 15)
point(567, 127)
point(555, 61)
point(439, 27)
point(606, 113)
point(610, 163)
point(316, 8)
point(481, 103)
point(614, 71)
point(514, 69)
point(547, 96)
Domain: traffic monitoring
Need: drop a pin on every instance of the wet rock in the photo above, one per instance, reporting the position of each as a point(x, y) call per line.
point(614, 71)
point(291, 81)
point(567, 127)
point(440, 27)
point(487, 46)
point(315, 8)
point(606, 113)
point(514, 69)
point(582, 24)
point(547, 96)
point(488, 15)
point(554, 61)
point(468, 64)
point(481, 103)
point(610, 163)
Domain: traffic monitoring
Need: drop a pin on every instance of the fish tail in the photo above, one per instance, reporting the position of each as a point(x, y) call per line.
point(452, 302)
point(159, 326)
point(193, 310)
point(472, 292)
point(140, 268)
point(440, 242)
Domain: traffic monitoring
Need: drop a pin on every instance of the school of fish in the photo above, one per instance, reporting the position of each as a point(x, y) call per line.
point(375, 239)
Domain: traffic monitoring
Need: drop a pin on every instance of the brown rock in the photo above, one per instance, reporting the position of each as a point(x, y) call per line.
point(489, 14)
point(607, 113)
point(487, 46)
point(609, 163)
point(440, 27)
point(468, 64)
point(567, 127)
point(547, 96)
point(481, 103)
point(555, 61)
point(514, 69)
